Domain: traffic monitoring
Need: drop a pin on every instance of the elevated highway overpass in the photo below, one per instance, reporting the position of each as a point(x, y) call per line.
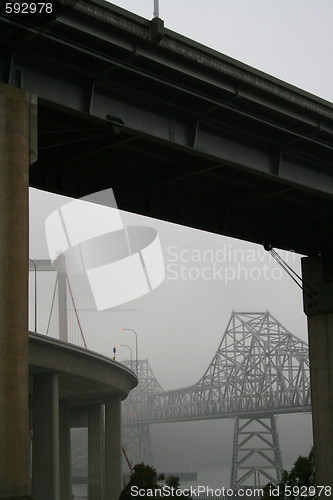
point(67, 384)
point(181, 133)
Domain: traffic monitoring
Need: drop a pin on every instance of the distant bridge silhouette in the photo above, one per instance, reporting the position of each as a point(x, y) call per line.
point(259, 370)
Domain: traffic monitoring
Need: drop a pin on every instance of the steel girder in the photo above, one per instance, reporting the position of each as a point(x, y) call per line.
point(256, 452)
point(227, 136)
point(136, 437)
point(258, 367)
point(181, 132)
point(137, 443)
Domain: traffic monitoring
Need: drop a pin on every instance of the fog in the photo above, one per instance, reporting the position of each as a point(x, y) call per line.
point(207, 446)
point(180, 325)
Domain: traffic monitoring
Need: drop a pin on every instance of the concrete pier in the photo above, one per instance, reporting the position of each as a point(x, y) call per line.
point(45, 450)
point(318, 274)
point(17, 128)
point(95, 452)
point(65, 464)
point(112, 447)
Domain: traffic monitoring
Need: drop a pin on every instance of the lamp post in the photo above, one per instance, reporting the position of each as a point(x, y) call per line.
point(156, 9)
point(128, 347)
point(136, 346)
point(34, 264)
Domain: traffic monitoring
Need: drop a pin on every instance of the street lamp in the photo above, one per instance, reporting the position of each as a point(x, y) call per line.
point(34, 264)
point(129, 347)
point(156, 9)
point(136, 346)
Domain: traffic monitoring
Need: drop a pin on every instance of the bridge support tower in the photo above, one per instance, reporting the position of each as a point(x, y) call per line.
point(18, 124)
point(137, 443)
point(318, 306)
point(256, 454)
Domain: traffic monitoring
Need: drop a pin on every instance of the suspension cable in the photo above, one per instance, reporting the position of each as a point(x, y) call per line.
point(76, 314)
point(53, 298)
point(307, 290)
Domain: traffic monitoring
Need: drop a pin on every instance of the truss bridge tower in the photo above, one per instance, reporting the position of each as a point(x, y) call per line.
point(259, 371)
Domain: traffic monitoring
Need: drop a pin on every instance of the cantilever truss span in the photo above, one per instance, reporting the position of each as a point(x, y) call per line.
point(259, 370)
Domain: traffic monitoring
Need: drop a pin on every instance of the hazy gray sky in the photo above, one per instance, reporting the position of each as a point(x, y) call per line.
point(182, 321)
point(180, 324)
point(289, 39)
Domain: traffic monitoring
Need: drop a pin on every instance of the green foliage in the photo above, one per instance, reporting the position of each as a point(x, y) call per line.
point(301, 475)
point(146, 478)
point(173, 482)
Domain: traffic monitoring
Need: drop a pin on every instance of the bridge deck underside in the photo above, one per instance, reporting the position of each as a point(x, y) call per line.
point(218, 416)
point(180, 132)
point(79, 154)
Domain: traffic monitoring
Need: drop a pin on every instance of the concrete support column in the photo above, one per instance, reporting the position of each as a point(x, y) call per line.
point(17, 124)
point(318, 274)
point(65, 451)
point(95, 453)
point(45, 445)
point(113, 475)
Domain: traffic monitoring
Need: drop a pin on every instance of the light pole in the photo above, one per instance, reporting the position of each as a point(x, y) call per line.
point(129, 347)
point(34, 264)
point(136, 346)
point(156, 9)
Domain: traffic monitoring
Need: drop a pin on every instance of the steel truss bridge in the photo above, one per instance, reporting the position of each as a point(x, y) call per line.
point(259, 370)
